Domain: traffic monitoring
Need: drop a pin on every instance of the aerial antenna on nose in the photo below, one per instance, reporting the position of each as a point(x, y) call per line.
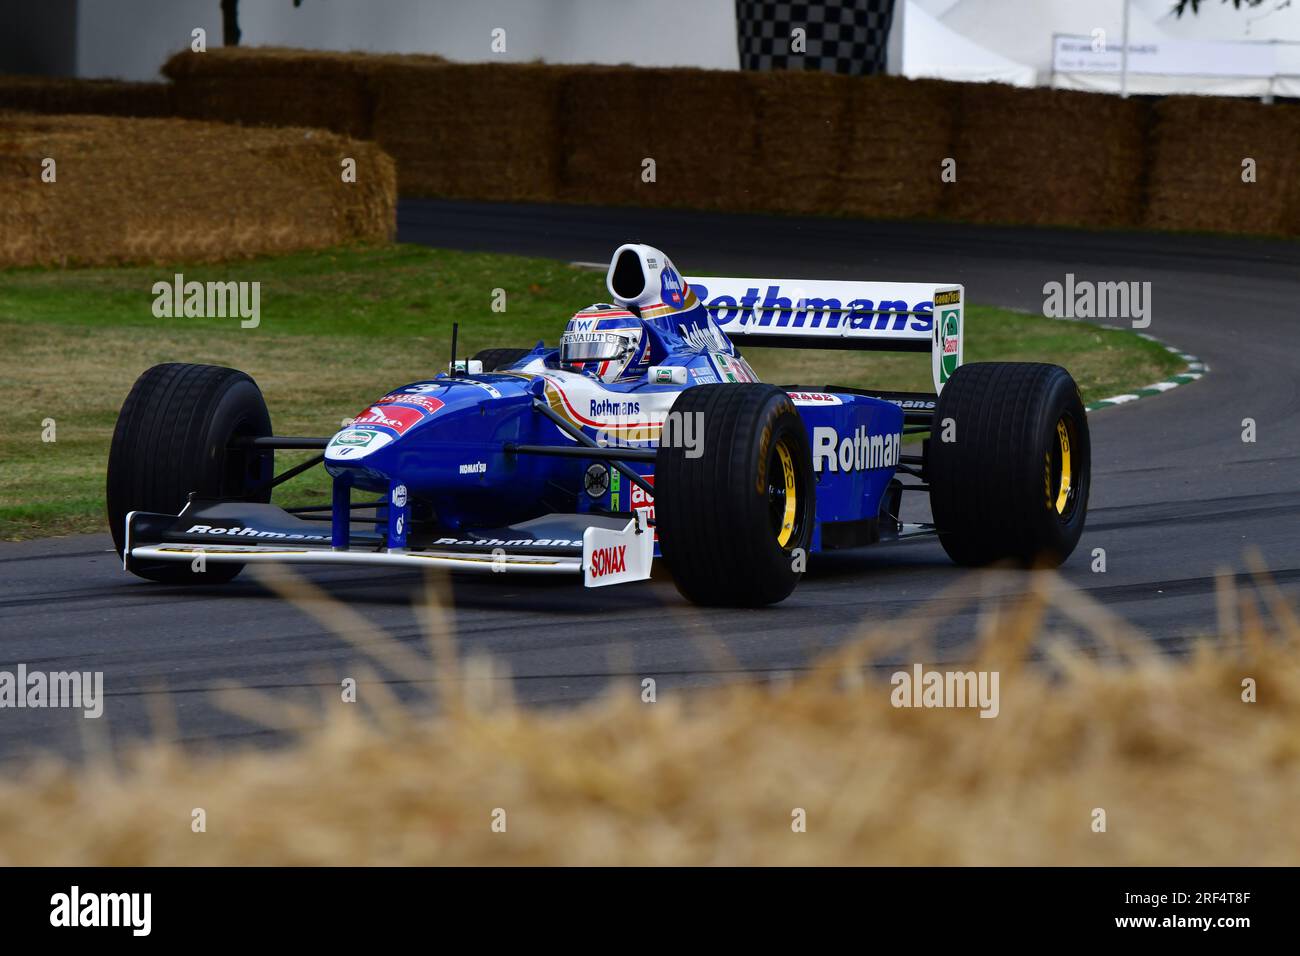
point(455, 328)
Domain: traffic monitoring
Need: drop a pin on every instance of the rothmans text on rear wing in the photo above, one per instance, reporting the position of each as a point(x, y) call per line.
point(832, 314)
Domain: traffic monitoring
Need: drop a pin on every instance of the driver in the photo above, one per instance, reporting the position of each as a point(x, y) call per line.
point(613, 342)
point(606, 342)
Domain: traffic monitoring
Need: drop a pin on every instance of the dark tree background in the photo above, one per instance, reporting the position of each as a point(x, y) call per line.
point(230, 21)
point(1195, 5)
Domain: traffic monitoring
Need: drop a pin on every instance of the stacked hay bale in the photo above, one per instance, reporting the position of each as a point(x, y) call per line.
point(132, 190)
point(799, 141)
point(1199, 147)
point(58, 94)
point(279, 87)
point(1048, 157)
point(788, 142)
point(481, 131)
point(655, 137)
point(898, 133)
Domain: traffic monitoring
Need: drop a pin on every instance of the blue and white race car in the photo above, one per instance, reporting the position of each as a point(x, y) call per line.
point(645, 435)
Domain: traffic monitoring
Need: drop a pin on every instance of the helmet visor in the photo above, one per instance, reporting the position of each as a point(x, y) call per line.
point(593, 346)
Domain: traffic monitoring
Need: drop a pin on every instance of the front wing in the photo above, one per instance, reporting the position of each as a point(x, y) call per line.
point(604, 549)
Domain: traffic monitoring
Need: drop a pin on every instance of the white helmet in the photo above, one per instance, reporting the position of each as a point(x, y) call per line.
point(605, 341)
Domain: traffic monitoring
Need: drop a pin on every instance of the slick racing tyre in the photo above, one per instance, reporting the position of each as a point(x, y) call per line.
point(495, 359)
point(173, 437)
point(735, 521)
point(1009, 464)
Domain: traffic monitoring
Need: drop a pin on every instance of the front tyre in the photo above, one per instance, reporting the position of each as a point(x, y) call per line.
point(1010, 464)
point(734, 509)
point(173, 437)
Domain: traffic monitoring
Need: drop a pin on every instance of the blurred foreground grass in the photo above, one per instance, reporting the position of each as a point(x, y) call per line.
point(1185, 770)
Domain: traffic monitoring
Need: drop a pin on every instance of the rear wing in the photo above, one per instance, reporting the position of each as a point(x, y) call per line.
point(830, 314)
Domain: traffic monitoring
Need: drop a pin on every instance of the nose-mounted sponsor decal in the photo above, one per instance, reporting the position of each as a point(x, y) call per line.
point(426, 403)
point(671, 287)
point(396, 418)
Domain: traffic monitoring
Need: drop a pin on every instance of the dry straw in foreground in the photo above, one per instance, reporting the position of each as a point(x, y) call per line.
point(1186, 771)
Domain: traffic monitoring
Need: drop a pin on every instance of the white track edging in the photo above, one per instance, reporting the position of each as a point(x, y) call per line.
point(1195, 369)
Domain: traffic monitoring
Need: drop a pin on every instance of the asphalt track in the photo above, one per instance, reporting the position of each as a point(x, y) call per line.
point(1177, 496)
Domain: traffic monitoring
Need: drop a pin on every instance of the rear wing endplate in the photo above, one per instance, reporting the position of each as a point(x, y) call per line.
point(830, 314)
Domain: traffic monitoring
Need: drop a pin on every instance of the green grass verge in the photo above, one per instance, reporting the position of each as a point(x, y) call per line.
point(339, 327)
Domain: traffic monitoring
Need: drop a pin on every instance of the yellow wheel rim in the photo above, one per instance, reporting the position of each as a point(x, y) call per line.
point(1063, 491)
point(791, 501)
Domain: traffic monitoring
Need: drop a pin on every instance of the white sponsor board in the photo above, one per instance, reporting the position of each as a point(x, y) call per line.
point(911, 316)
point(1077, 54)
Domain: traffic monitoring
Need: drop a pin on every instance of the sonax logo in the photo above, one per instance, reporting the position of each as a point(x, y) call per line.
point(611, 560)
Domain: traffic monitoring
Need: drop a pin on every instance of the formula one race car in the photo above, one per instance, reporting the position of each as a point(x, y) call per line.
point(645, 434)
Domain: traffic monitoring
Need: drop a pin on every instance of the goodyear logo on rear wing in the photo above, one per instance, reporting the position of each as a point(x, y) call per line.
point(951, 297)
point(770, 308)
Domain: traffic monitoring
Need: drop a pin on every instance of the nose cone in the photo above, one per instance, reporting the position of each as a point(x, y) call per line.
point(443, 410)
point(446, 440)
point(385, 421)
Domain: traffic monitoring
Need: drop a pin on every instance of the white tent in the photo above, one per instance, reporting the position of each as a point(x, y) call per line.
point(1270, 23)
point(931, 49)
point(1077, 45)
point(1221, 21)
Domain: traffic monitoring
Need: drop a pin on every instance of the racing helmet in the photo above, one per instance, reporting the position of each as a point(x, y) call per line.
point(606, 342)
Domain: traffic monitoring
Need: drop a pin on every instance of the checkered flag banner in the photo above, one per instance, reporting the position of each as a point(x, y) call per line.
point(839, 36)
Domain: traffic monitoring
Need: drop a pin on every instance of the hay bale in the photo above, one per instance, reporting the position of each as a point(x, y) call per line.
point(481, 131)
point(276, 86)
point(800, 141)
point(1048, 157)
point(49, 94)
point(154, 190)
point(285, 61)
point(897, 134)
point(1198, 148)
point(697, 125)
point(791, 142)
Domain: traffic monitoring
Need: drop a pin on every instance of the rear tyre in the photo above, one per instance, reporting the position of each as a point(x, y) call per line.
point(731, 519)
point(173, 437)
point(1013, 482)
point(496, 359)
